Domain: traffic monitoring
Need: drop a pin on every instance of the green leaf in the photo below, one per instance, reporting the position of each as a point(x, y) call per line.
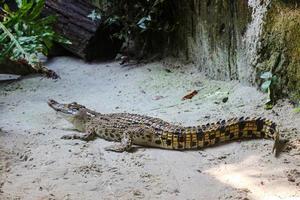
point(61, 39)
point(143, 22)
point(269, 105)
point(6, 8)
point(23, 35)
point(266, 75)
point(296, 110)
point(266, 85)
point(274, 79)
point(94, 15)
point(36, 10)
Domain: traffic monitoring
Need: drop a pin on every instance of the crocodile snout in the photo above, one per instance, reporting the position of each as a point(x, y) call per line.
point(51, 102)
point(55, 105)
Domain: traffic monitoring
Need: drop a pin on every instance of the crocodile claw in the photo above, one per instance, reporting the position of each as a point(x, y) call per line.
point(115, 148)
point(276, 146)
point(67, 137)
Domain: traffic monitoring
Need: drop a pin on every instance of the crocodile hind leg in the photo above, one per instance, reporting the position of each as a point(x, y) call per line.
point(90, 135)
point(125, 145)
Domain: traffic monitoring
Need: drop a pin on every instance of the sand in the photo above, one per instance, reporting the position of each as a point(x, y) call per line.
point(36, 164)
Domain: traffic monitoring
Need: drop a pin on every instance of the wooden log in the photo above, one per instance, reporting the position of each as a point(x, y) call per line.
point(22, 68)
point(90, 39)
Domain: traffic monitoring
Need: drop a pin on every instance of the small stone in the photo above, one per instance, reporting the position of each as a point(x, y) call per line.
point(291, 179)
point(158, 97)
point(137, 193)
point(176, 191)
point(225, 99)
point(222, 157)
point(24, 158)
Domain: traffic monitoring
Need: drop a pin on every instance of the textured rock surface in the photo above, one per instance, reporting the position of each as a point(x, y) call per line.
point(211, 35)
point(280, 51)
point(238, 40)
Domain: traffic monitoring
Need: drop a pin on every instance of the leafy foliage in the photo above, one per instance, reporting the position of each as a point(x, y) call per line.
point(94, 15)
point(297, 109)
point(23, 34)
point(269, 83)
point(145, 22)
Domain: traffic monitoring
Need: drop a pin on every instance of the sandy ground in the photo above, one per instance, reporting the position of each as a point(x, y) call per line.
point(37, 164)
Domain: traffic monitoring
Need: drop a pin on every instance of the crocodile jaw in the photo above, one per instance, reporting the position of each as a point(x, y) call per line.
point(75, 113)
point(63, 108)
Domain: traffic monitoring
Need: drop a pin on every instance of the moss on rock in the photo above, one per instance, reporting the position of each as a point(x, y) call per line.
point(280, 51)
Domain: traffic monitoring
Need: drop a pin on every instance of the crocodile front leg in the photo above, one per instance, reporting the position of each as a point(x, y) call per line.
point(126, 142)
point(90, 135)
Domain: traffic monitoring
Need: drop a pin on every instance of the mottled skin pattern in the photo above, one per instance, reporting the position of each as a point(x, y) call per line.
point(147, 131)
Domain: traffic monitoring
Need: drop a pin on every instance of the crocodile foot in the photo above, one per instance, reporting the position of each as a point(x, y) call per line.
point(125, 145)
point(116, 148)
point(85, 137)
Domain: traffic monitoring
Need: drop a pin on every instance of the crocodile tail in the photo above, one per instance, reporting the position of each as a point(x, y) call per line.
point(198, 137)
point(235, 129)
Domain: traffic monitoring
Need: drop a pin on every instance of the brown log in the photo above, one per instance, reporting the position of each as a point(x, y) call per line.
point(90, 39)
point(22, 68)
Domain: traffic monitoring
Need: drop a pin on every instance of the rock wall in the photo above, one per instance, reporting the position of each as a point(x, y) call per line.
point(280, 52)
point(240, 39)
point(210, 34)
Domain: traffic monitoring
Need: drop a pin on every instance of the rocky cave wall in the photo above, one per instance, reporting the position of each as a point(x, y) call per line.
point(240, 39)
point(210, 34)
point(280, 51)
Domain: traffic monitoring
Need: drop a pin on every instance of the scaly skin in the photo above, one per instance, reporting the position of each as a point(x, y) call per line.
point(153, 132)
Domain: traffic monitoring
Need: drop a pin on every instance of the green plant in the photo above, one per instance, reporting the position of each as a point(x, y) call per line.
point(297, 108)
point(146, 23)
point(94, 15)
point(23, 34)
point(269, 84)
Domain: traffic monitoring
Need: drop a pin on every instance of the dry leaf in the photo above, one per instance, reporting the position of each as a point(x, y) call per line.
point(190, 95)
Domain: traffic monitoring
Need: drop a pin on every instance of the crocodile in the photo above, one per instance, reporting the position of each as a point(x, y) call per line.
point(128, 129)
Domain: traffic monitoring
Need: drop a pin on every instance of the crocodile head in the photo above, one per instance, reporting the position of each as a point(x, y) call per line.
point(77, 114)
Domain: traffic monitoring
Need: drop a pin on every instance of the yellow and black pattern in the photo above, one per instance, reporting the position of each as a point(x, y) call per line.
point(220, 132)
point(143, 130)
